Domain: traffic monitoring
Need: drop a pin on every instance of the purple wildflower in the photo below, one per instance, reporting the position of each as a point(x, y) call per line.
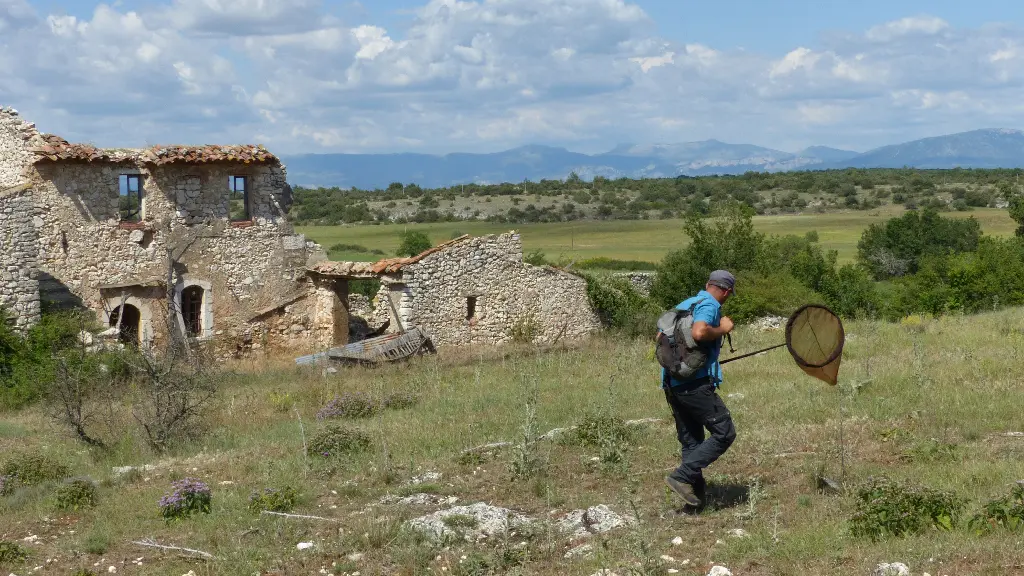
point(188, 496)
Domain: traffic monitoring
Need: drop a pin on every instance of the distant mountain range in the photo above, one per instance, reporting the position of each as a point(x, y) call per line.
point(989, 148)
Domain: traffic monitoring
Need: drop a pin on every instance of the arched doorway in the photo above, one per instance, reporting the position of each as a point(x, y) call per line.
point(129, 324)
point(192, 310)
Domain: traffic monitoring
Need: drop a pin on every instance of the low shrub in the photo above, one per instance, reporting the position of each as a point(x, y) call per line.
point(536, 258)
point(342, 247)
point(595, 428)
point(1006, 513)
point(349, 405)
point(620, 307)
point(27, 362)
point(282, 401)
point(273, 500)
point(610, 435)
point(334, 440)
point(889, 508)
point(11, 552)
point(97, 541)
point(77, 494)
point(524, 329)
point(30, 469)
point(399, 401)
point(189, 496)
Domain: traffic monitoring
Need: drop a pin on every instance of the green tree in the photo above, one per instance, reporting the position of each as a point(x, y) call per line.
point(727, 242)
point(1017, 213)
point(896, 247)
point(413, 243)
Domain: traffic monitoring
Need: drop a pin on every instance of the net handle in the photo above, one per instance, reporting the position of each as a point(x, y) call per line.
point(748, 354)
point(789, 337)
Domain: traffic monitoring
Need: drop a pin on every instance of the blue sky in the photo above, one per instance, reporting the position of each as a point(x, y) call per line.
point(440, 76)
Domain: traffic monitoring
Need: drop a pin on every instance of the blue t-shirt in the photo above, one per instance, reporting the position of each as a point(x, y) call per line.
point(708, 311)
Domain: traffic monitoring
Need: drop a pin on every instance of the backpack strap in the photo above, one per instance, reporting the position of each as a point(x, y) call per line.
point(691, 342)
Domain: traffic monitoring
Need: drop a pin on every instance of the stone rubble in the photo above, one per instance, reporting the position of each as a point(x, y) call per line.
point(719, 571)
point(420, 499)
point(891, 569)
point(594, 520)
point(769, 323)
point(581, 551)
point(488, 521)
point(425, 478)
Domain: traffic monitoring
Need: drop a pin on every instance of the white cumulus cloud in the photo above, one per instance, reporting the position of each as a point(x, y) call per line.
point(486, 75)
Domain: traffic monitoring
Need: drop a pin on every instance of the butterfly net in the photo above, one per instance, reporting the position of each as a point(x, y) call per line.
point(815, 337)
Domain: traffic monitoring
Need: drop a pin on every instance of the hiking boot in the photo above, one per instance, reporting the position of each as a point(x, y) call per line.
point(700, 488)
point(684, 490)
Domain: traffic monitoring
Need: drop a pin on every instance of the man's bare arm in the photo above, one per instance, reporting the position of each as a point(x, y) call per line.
point(702, 331)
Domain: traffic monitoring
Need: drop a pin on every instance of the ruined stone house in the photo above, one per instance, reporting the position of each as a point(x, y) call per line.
point(196, 239)
point(474, 291)
point(126, 232)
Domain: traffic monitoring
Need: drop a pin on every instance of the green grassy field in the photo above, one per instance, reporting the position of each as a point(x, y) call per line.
point(928, 401)
point(633, 239)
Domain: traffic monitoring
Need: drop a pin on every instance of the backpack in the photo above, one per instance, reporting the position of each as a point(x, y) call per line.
point(676, 350)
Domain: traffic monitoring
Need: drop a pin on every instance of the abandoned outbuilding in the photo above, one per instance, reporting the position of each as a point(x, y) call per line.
point(474, 291)
point(196, 239)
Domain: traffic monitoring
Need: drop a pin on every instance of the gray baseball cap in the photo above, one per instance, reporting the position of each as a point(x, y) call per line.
point(723, 279)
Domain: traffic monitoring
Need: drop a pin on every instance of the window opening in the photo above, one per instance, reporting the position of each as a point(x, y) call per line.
point(129, 333)
point(238, 198)
point(130, 197)
point(470, 307)
point(192, 310)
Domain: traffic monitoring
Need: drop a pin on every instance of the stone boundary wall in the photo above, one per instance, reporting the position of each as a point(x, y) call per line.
point(19, 280)
point(642, 281)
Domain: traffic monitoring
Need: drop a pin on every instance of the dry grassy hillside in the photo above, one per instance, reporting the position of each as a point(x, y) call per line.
point(934, 402)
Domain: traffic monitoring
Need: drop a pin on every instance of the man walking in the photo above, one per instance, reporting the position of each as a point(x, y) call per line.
point(695, 402)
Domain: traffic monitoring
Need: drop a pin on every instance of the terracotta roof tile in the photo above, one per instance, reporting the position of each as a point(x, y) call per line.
point(247, 153)
point(55, 148)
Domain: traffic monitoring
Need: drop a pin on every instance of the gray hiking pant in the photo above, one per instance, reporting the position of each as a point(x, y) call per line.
point(694, 409)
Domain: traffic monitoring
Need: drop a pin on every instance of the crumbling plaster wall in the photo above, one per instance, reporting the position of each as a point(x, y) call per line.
point(249, 265)
point(433, 294)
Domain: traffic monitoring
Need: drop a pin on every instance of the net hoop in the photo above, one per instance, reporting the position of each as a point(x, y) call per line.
point(789, 338)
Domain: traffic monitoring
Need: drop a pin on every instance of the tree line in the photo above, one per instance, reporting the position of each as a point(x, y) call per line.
point(625, 198)
point(920, 263)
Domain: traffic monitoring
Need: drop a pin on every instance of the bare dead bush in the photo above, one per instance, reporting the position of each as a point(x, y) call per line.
point(79, 401)
point(81, 395)
point(175, 387)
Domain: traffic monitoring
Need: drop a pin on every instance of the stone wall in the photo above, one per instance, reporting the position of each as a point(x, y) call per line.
point(245, 266)
point(19, 283)
point(16, 137)
point(19, 280)
point(642, 281)
point(480, 291)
